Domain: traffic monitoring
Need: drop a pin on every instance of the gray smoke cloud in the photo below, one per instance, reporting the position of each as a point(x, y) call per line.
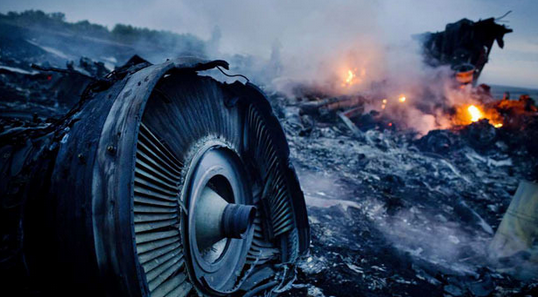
point(311, 32)
point(281, 44)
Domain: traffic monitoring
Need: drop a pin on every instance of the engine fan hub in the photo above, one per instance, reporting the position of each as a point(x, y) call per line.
point(218, 223)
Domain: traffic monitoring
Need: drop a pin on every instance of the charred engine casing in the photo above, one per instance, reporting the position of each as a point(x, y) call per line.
point(160, 182)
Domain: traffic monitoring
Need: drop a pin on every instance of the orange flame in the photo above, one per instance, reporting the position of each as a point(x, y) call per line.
point(350, 76)
point(353, 77)
point(384, 103)
point(475, 113)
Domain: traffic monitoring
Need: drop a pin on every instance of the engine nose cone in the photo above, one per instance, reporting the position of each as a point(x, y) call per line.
point(237, 219)
point(208, 218)
point(216, 219)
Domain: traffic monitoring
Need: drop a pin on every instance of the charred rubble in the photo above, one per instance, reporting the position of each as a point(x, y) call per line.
point(396, 214)
point(392, 212)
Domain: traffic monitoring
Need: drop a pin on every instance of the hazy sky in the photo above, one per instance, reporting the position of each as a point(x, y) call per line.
point(306, 26)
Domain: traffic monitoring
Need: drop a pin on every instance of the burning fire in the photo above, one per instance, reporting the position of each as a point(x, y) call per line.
point(384, 102)
point(474, 113)
point(353, 77)
point(350, 76)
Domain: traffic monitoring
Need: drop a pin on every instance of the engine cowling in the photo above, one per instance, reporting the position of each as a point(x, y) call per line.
point(160, 182)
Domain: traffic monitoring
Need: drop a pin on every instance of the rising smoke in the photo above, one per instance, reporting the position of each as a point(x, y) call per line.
point(314, 45)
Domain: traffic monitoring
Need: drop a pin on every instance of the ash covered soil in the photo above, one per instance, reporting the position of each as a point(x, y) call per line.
point(395, 214)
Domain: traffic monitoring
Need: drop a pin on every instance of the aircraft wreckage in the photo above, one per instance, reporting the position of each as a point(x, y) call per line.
point(159, 182)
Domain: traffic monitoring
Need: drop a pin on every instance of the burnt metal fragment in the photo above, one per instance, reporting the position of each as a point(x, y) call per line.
point(464, 45)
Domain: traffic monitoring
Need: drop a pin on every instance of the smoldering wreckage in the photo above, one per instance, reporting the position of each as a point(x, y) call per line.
point(158, 180)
